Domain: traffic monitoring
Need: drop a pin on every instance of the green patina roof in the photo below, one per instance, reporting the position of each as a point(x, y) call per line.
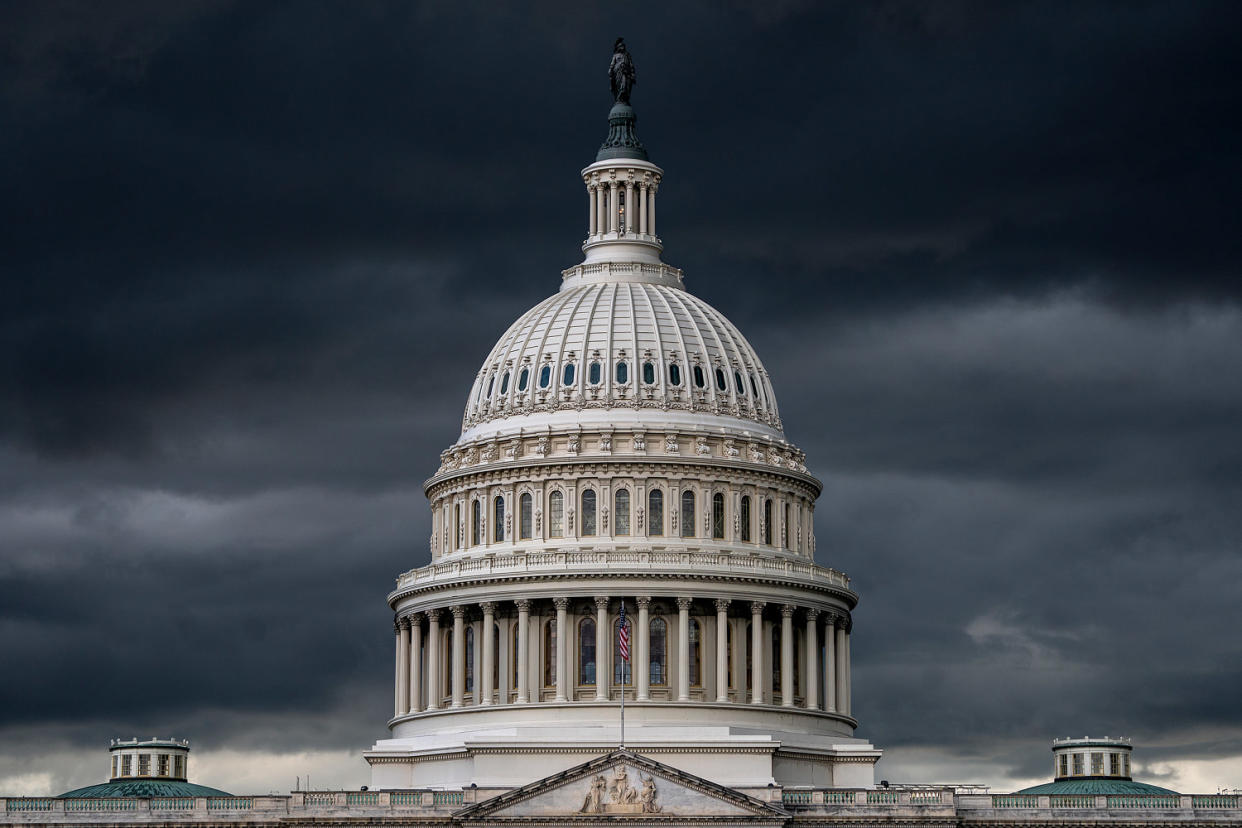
point(145, 787)
point(1098, 787)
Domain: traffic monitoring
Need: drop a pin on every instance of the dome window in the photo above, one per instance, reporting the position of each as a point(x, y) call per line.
point(623, 373)
point(674, 374)
point(567, 376)
point(523, 379)
point(737, 382)
point(504, 384)
point(699, 379)
point(649, 373)
point(545, 376)
point(491, 383)
point(754, 388)
point(595, 373)
point(721, 383)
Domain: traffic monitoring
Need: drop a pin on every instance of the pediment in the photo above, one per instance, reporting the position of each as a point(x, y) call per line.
point(622, 785)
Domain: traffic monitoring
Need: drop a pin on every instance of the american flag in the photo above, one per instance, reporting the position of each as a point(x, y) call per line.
point(623, 635)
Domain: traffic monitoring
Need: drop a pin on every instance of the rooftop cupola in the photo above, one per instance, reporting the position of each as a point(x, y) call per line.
point(622, 183)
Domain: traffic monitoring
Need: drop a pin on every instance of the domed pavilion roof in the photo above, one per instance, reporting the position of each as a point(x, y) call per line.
point(144, 787)
point(1099, 787)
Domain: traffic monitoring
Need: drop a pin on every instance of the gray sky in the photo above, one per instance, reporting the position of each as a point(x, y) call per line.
point(255, 253)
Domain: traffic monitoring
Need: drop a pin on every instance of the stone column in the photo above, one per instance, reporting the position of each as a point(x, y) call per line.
point(613, 212)
point(591, 209)
point(722, 649)
point(562, 614)
point(830, 663)
point(629, 208)
point(756, 652)
point(459, 654)
point(483, 683)
point(523, 650)
point(601, 647)
point(642, 208)
point(396, 684)
point(433, 659)
point(812, 659)
point(847, 685)
point(642, 679)
point(601, 209)
point(787, 655)
point(842, 697)
point(683, 649)
point(416, 662)
point(651, 194)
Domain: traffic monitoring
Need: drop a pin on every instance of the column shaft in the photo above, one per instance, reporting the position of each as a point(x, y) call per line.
point(483, 683)
point(812, 659)
point(651, 194)
point(643, 634)
point(683, 649)
point(434, 690)
point(756, 652)
point(601, 648)
point(722, 650)
point(459, 655)
point(642, 209)
point(396, 681)
point(787, 656)
point(830, 665)
point(613, 212)
point(842, 699)
point(416, 663)
point(562, 615)
point(631, 216)
point(523, 651)
point(848, 685)
point(591, 209)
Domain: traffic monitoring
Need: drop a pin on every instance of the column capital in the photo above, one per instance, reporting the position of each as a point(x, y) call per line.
point(756, 607)
point(561, 603)
point(842, 621)
point(811, 614)
point(522, 604)
point(434, 615)
point(397, 624)
point(788, 610)
point(488, 607)
point(684, 603)
point(601, 602)
point(722, 604)
point(458, 611)
point(643, 601)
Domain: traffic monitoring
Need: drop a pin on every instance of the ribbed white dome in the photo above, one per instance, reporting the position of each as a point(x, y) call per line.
point(622, 351)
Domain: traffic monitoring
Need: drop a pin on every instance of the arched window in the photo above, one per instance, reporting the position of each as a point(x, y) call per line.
point(525, 518)
point(721, 383)
point(776, 659)
point(622, 672)
point(767, 521)
point(498, 520)
point(545, 376)
point(523, 379)
point(621, 513)
point(549, 653)
point(623, 373)
point(457, 525)
point(718, 516)
point(699, 379)
point(754, 388)
point(655, 513)
point(649, 373)
point(556, 515)
point(476, 522)
point(586, 651)
point(737, 383)
point(595, 373)
point(744, 517)
point(657, 659)
point(504, 384)
point(674, 374)
point(588, 512)
point(687, 513)
point(491, 383)
point(469, 659)
point(567, 376)
point(696, 654)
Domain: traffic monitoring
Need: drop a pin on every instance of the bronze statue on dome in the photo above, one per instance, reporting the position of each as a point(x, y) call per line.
point(621, 72)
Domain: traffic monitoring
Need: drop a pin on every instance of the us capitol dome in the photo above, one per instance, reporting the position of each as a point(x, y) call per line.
point(621, 445)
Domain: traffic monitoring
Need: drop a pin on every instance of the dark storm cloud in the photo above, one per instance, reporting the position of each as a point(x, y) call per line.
point(253, 255)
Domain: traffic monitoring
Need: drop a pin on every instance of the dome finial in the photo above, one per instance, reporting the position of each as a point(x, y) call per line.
point(622, 140)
